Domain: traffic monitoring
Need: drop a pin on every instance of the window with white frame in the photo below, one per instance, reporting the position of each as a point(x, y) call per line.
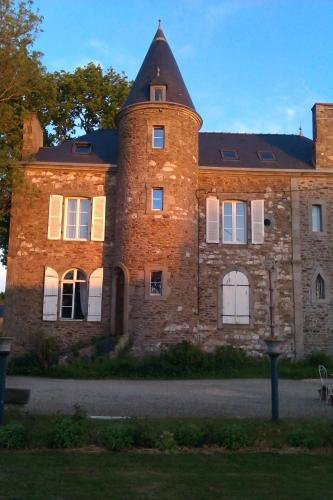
point(77, 218)
point(235, 299)
point(74, 295)
point(157, 199)
point(317, 218)
point(158, 137)
point(234, 222)
point(156, 283)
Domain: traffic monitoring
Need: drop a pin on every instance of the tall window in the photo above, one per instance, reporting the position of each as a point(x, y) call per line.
point(158, 137)
point(77, 218)
point(235, 299)
point(156, 283)
point(317, 219)
point(74, 295)
point(320, 287)
point(234, 222)
point(157, 198)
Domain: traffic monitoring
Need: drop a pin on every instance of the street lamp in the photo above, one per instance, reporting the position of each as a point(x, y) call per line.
point(5, 344)
point(273, 351)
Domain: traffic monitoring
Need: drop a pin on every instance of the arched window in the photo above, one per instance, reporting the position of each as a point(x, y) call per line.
point(74, 295)
point(235, 299)
point(320, 287)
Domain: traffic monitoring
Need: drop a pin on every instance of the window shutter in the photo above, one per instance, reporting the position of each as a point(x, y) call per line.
point(257, 221)
point(229, 298)
point(98, 218)
point(55, 216)
point(95, 295)
point(50, 303)
point(212, 220)
point(242, 300)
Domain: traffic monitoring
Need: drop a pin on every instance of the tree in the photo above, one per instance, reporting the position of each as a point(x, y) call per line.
point(20, 70)
point(86, 99)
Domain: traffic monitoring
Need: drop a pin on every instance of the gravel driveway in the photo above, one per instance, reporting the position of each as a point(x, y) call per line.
point(146, 398)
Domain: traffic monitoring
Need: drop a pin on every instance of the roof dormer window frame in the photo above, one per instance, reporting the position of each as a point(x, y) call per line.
point(81, 148)
point(157, 90)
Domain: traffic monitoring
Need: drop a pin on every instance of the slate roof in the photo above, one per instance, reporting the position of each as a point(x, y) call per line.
point(159, 67)
point(104, 149)
point(290, 151)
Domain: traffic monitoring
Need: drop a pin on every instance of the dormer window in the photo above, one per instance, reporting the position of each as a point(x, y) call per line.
point(81, 148)
point(229, 154)
point(158, 93)
point(266, 155)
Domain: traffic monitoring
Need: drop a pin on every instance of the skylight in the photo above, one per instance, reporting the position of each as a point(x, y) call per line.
point(266, 155)
point(229, 154)
point(81, 148)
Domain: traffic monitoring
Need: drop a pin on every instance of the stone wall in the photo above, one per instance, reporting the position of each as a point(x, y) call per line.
point(30, 251)
point(316, 254)
point(216, 259)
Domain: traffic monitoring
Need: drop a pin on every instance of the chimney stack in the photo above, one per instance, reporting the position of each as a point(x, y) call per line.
point(322, 120)
point(32, 136)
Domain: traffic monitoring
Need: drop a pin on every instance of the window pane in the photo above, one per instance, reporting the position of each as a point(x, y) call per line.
point(156, 283)
point(66, 312)
point(158, 95)
point(71, 218)
point(81, 275)
point(158, 137)
point(79, 301)
point(69, 276)
point(157, 199)
point(316, 218)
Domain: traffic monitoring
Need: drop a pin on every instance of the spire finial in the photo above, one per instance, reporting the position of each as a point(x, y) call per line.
point(160, 24)
point(301, 133)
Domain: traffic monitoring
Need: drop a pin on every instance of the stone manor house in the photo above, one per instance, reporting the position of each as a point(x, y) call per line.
point(156, 233)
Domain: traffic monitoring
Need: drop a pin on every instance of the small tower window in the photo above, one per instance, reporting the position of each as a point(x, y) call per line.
point(158, 93)
point(157, 199)
point(320, 287)
point(156, 283)
point(158, 137)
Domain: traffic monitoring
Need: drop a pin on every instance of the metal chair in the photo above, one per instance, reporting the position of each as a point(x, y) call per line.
point(326, 388)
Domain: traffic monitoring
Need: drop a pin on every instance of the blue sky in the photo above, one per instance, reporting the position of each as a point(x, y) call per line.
point(249, 65)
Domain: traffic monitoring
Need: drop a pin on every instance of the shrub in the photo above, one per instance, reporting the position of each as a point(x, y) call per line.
point(183, 358)
point(13, 436)
point(304, 438)
point(232, 437)
point(66, 432)
point(230, 357)
point(145, 435)
point(116, 437)
point(319, 358)
point(166, 442)
point(189, 435)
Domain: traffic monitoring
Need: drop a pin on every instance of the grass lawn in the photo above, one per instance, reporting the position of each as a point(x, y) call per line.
point(195, 476)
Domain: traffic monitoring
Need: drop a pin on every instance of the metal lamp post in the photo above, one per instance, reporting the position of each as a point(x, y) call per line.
point(5, 344)
point(273, 350)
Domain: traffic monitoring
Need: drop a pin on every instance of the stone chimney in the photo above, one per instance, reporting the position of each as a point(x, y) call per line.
point(322, 120)
point(32, 136)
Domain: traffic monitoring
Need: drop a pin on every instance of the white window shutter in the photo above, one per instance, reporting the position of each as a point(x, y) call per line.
point(95, 295)
point(257, 221)
point(212, 220)
point(98, 218)
point(242, 300)
point(50, 303)
point(55, 216)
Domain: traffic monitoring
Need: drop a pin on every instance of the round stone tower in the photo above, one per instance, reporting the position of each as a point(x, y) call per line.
point(155, 292)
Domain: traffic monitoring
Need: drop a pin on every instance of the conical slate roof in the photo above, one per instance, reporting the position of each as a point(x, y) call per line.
point(159, 68)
